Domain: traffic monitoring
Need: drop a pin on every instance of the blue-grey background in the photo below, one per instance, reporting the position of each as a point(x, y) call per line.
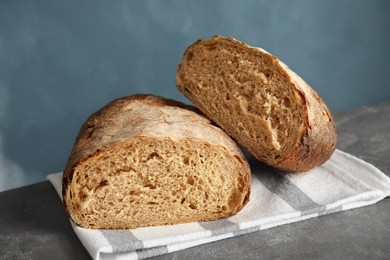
point(62, 60)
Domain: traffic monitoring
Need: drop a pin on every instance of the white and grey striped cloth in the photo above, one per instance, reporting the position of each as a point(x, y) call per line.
point(342, 183)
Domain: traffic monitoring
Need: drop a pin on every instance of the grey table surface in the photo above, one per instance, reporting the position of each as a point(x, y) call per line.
point(33, 223)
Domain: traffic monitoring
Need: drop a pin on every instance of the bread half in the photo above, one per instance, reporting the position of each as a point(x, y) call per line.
point(145, 161)
point(259, 101)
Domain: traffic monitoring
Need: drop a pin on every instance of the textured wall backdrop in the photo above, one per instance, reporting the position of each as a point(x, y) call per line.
point(62, 60)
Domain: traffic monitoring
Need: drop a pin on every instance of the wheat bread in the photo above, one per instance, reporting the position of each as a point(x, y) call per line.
point(259, 101)
point(144, 160)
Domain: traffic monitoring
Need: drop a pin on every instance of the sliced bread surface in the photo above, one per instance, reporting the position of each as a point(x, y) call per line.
point(259, 101)
point(144, 160)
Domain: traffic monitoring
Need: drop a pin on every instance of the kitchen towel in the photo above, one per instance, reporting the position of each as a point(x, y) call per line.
point(343, 182)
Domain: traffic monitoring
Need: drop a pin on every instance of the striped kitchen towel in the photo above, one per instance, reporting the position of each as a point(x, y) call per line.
point(344, 182)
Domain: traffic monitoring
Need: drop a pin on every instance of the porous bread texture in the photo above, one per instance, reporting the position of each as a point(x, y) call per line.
point(146, 161)
point(259, 101)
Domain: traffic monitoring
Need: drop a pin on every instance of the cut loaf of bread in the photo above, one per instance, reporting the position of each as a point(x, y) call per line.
point(145, 161)
point(259, 101)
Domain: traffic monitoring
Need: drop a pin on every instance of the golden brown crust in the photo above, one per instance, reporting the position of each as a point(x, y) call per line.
point(320, 137)
point(309, 143)
point(134, 121)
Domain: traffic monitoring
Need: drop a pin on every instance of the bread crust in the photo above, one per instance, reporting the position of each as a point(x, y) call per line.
point(122, 122)
point(317, 137)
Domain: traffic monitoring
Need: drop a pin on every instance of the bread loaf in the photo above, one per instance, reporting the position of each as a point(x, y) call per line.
point(144, 161)
point(259, 101)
